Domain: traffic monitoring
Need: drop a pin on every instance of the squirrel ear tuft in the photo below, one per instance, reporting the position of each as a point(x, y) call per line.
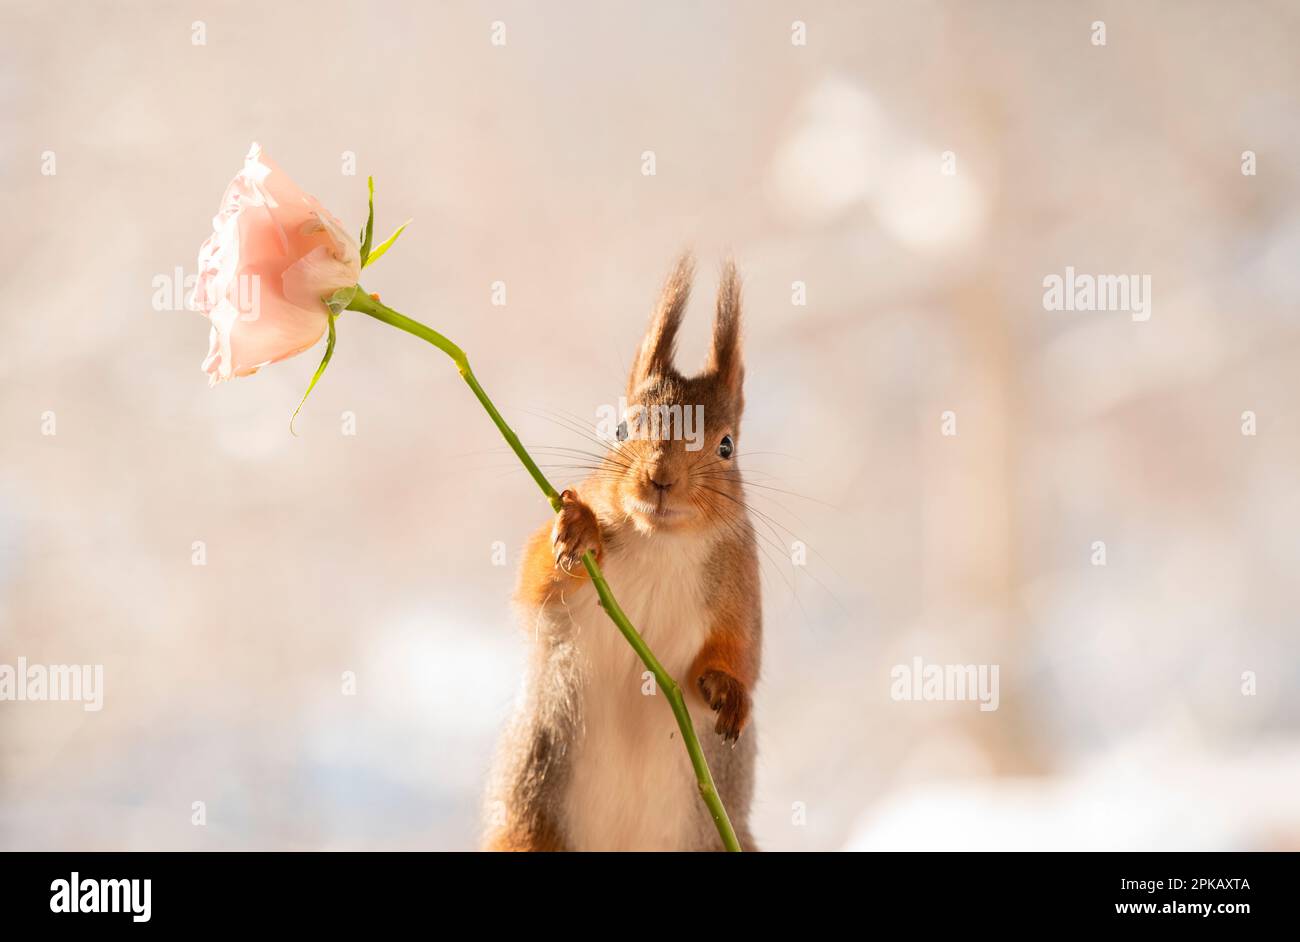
point(725, 362)
point(655, 355)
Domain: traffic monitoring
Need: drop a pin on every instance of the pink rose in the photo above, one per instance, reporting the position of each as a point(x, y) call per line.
point(274, 253)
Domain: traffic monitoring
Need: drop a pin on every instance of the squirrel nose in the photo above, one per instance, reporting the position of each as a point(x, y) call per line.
point(660, 485)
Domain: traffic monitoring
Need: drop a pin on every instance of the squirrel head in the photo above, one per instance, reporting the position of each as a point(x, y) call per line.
point(678, 441)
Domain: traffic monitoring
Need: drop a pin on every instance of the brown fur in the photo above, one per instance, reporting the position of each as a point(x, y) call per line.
point(601, 514)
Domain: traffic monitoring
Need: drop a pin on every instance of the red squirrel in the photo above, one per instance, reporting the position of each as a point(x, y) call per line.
point(593, 759)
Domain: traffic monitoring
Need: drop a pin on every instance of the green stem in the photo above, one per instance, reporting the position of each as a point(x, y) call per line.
point(364, 303)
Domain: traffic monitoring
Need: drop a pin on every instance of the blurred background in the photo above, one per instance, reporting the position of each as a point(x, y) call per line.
point(911, 173)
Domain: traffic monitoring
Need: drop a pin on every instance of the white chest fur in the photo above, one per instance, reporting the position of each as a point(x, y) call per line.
point(631, 785)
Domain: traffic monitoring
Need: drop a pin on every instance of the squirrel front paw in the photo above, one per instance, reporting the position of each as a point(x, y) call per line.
point(727, 697)
point(575, 532)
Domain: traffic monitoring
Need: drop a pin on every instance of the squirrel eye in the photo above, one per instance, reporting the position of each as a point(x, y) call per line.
point(622, 431)
point(726, 446)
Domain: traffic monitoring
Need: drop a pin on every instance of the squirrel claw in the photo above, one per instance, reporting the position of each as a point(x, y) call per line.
point(576, 532)
point(727, 697)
